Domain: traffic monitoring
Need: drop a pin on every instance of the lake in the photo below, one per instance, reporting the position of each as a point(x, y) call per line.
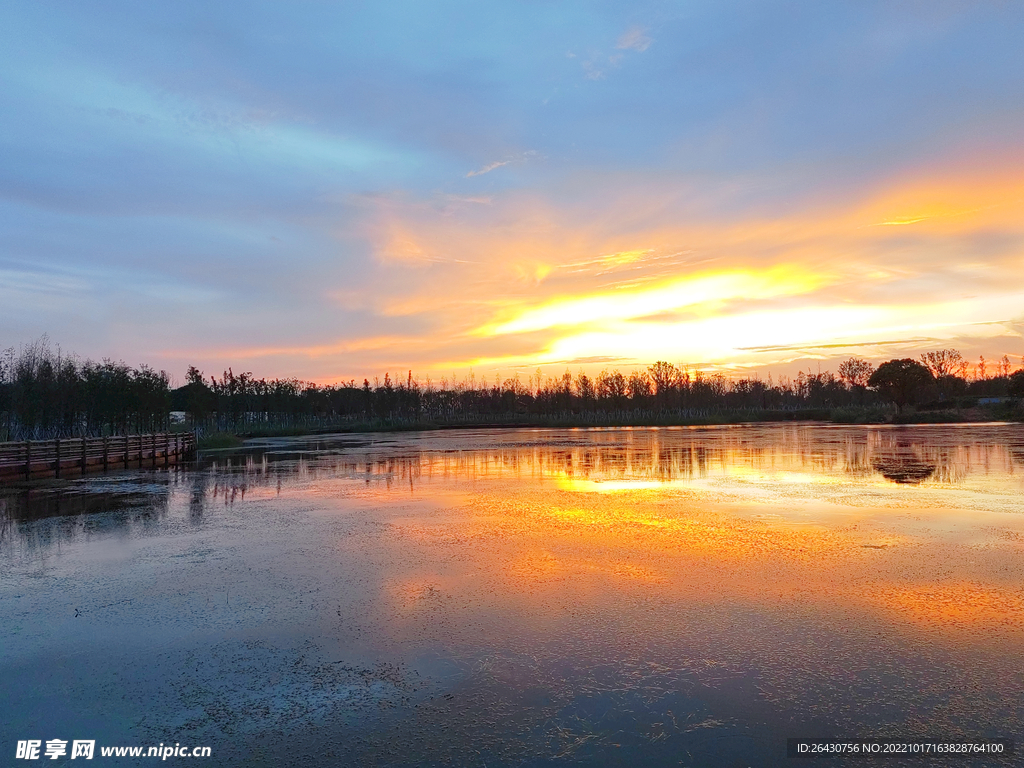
point(663, 596)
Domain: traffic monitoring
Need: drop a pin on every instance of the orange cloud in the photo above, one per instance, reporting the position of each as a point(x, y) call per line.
point(655, 269)
point(687, 292)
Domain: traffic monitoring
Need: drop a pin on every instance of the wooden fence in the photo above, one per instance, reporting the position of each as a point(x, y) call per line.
point(64, 457)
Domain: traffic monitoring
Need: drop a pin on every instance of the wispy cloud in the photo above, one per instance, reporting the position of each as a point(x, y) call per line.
point(591, 71)
point(218, 354)
point(522, 157)
point(487, 168)
point(706, 289)
point(634, 39)
point(593, 360)
point(598, 64)
point(607, 263)
point(901, 222)
point(813, 348)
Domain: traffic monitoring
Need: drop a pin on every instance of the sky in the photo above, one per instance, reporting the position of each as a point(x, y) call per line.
point(337, 190)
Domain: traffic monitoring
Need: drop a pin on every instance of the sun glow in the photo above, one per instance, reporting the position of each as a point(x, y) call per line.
point(721, 339)
point(695, 293)
point(915, 264)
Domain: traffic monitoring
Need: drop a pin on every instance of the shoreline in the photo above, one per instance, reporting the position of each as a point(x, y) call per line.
point(1002, 413)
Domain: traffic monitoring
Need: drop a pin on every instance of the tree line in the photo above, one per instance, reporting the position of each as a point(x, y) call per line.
point(241, 402)
point(46, 393)
point(943, 376)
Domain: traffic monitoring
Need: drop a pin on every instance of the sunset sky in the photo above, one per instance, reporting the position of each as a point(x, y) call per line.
point(336, 190)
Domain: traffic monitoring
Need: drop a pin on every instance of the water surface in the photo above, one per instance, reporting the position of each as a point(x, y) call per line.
point(528, 597)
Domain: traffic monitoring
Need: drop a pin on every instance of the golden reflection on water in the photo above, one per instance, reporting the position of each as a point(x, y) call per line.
point(955, 604)
point(625, 459)
point(856, 575)
point(921, 526)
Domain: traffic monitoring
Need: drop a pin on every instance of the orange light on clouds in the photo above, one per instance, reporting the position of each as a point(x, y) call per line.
point(745, 336)
point(920, 262)
point(949, 204)
point(695, 293)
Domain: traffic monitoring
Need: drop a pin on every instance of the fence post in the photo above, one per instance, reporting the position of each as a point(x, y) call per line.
point(56, 470)
point(106, 450)
point(28, 459)
point(126, 451)
point(85, 441)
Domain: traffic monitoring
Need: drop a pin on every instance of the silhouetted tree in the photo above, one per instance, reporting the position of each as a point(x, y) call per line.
point(902, 382)
point(46, 393)
point(638, 387)
point(945, 362)
point(1016, 384)
point(665, 378)
point(856, 372)
point(199, 400)
point(611, 389)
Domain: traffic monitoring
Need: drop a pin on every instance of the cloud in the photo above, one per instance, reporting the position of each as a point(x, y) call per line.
point(593, 360)
point(691, 292)
point(522, 157)
point(312, 351)
point(633, 269)
point(487, 168)
point(591, 71)
point(634, 39)
point(313, 191)
point(612, 261)
point(812, 348)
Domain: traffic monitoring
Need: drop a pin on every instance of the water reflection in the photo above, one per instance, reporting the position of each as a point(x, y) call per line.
point(904, 466)
point(521, 597)
point(638, 458)
point(587, 460)
point(42, 516)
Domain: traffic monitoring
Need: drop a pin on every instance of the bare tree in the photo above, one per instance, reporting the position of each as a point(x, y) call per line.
point(855, 372)
point(944, 362)
point(665, 377)
point(638, 386)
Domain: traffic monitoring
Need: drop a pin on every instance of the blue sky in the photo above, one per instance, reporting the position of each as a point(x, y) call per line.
point(331, 190)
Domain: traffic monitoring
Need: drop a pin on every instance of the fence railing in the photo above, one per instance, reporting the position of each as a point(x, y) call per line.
point(62, 457)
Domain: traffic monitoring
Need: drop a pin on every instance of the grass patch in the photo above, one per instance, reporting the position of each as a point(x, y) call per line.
point(862, 415)
point(931, 417)
point(215, 440)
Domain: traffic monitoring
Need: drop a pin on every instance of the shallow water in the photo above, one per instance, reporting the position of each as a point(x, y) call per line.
point(527, 597)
